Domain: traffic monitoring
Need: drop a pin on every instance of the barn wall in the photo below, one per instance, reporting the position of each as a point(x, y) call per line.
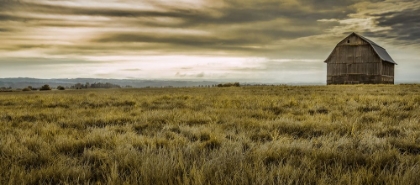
point(387, 69)
point(355, 61)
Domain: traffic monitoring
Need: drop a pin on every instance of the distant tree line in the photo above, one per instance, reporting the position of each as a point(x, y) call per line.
point(110, 85)
point(6, 89)
point(236, 84)
point(45, 87)
point(94, 85)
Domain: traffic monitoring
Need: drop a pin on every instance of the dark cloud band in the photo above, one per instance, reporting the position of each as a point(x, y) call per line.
point(405, 25)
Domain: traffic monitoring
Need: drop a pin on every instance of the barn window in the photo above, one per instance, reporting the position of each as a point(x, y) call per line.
point(348, 41)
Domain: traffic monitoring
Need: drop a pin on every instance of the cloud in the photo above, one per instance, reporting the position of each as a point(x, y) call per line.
point(5, 30)
point(44, 67)
point(404, 24)
point(135, 69)
point(233, 25)
point(281, 65)
point(188, 75)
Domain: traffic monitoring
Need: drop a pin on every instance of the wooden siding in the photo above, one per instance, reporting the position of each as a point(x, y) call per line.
point(387, 69)
point(355, 61)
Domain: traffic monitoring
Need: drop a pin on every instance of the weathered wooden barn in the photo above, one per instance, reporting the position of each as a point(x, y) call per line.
point(358, 60)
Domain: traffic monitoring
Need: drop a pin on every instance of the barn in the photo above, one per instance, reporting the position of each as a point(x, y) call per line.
point(358, 60)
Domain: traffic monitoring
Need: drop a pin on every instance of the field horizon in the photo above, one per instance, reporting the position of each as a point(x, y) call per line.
point(340, 134)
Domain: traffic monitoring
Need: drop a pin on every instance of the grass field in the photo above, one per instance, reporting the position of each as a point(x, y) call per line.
point(363, 134)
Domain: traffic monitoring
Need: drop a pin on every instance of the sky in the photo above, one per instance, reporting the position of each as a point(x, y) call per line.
point(267, 41)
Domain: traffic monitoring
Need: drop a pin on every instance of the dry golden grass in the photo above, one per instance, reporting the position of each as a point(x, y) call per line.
point(365, 134)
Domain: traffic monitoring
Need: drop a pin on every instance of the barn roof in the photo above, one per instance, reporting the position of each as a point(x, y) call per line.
point(379, 50)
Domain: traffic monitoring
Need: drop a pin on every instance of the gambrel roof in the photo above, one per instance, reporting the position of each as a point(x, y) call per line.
point(379, 50)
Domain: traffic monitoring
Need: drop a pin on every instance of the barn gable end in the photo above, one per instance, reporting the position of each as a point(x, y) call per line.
point(356, 60)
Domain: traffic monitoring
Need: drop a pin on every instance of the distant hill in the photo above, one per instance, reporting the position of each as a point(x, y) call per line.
point(137, 83)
